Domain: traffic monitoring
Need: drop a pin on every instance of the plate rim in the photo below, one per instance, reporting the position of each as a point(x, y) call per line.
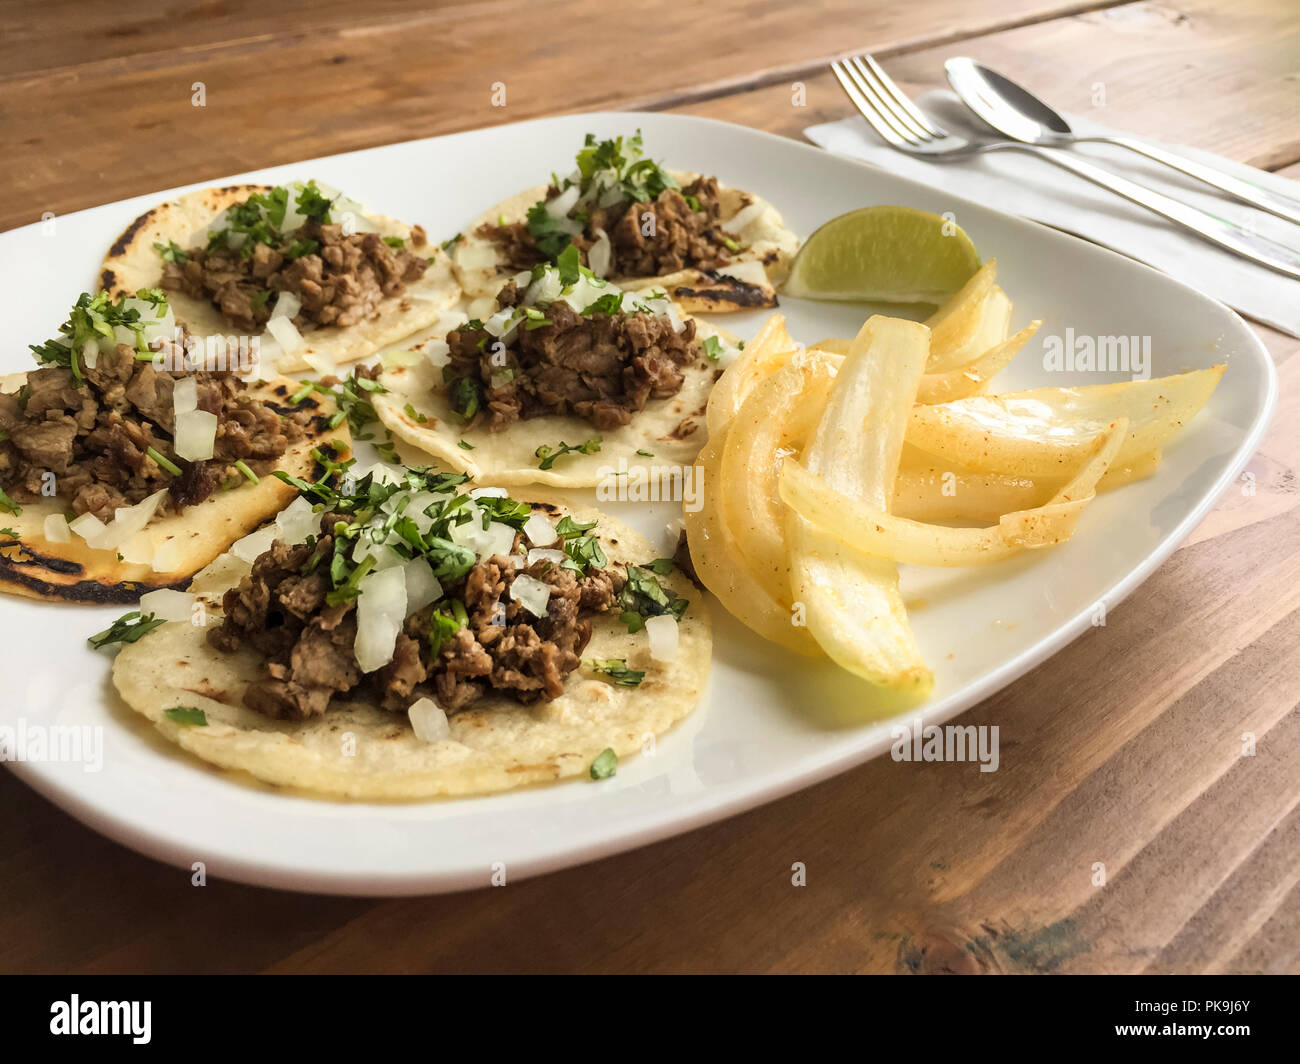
point(711, 806)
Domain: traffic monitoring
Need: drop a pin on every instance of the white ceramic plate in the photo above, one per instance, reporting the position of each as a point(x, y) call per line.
point(771, 723)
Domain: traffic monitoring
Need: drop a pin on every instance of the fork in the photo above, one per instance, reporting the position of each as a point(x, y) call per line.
point(903, 126)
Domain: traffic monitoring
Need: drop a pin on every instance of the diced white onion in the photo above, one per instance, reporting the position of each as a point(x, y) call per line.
point(586, 291)
point(127, 521)
point(57, 530)
point(185, 395)
point(286, 334)
point(90, 352)
point(287, 305)
point(487, 493)
point(738, 221)
point(169, 557)
point(546, 289)
point(561, 205)
point(676, 319)
point(497, 538)
point(88, 527)
point(530, 593)
point(599, 254)
point(168, 605)
point(381, 612)
point(429, 721)
point(613, 194)
point(422, 587)
point(750, 272)
point(383, 473)
point(297, 522)
point(662, 632)
point(504, 324)
point(254, 543)
point(545, 554)
point(540, 531)
point(438, 352)
point(196, 435)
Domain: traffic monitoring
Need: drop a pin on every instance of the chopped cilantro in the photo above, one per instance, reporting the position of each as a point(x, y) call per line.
point(616, 669)
point(171, 251)
point(187, 716)
point(451, 242)
point(712, 347)
point(643, 596)
point(605, 765)
point(128, 628)
point(549, 454)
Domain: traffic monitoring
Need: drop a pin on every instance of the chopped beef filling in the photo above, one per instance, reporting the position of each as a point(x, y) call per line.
point(679, 236)
point(340, 282)
point(603, 367)
point(280, 610)
point(94, 436)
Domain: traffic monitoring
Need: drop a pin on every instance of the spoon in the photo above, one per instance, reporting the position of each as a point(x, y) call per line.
point(1016, 113)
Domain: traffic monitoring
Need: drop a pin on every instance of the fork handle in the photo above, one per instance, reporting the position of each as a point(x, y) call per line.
point(1208, 226)
point(1246, 191)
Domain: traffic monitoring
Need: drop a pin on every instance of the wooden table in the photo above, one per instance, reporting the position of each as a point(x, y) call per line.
point(1123, 749)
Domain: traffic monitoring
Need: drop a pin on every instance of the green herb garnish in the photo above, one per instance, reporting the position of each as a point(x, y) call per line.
point(171, 251)
point(616, 669)
point(605, 765)
point(549, 454)
point(128, 628)
point(188, 716)
point(643, 596)
point(164, 462)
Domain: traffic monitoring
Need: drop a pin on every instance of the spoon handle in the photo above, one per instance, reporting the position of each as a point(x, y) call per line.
point(1208, 226)
point(1246, 191)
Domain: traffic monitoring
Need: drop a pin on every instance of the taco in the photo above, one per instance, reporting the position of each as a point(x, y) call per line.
point(402, 638)
point(123, 468)
point(315, 277)
point(570, 380)
point(709, 247)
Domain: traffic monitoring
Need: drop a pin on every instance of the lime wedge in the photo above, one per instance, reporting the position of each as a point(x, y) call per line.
point(884, 254)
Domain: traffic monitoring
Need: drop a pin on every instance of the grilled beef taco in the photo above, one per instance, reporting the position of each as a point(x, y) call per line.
point(400, 638)
point(568, 381)
point(313, 275)
point(125, 468)
point(710, 247)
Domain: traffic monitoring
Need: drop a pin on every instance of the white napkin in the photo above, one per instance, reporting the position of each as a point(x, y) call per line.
point(1020, 184)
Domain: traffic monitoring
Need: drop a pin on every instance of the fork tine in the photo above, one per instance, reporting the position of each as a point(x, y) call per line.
point(900, 99)
point(870, 84)
point(866, 108)
point(904, 135)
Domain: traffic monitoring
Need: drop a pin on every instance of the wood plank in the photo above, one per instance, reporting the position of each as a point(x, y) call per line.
point(99, 131)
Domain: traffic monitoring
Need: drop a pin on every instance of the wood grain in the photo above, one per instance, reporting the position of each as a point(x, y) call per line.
point(1124, 749)
point(103, 129)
